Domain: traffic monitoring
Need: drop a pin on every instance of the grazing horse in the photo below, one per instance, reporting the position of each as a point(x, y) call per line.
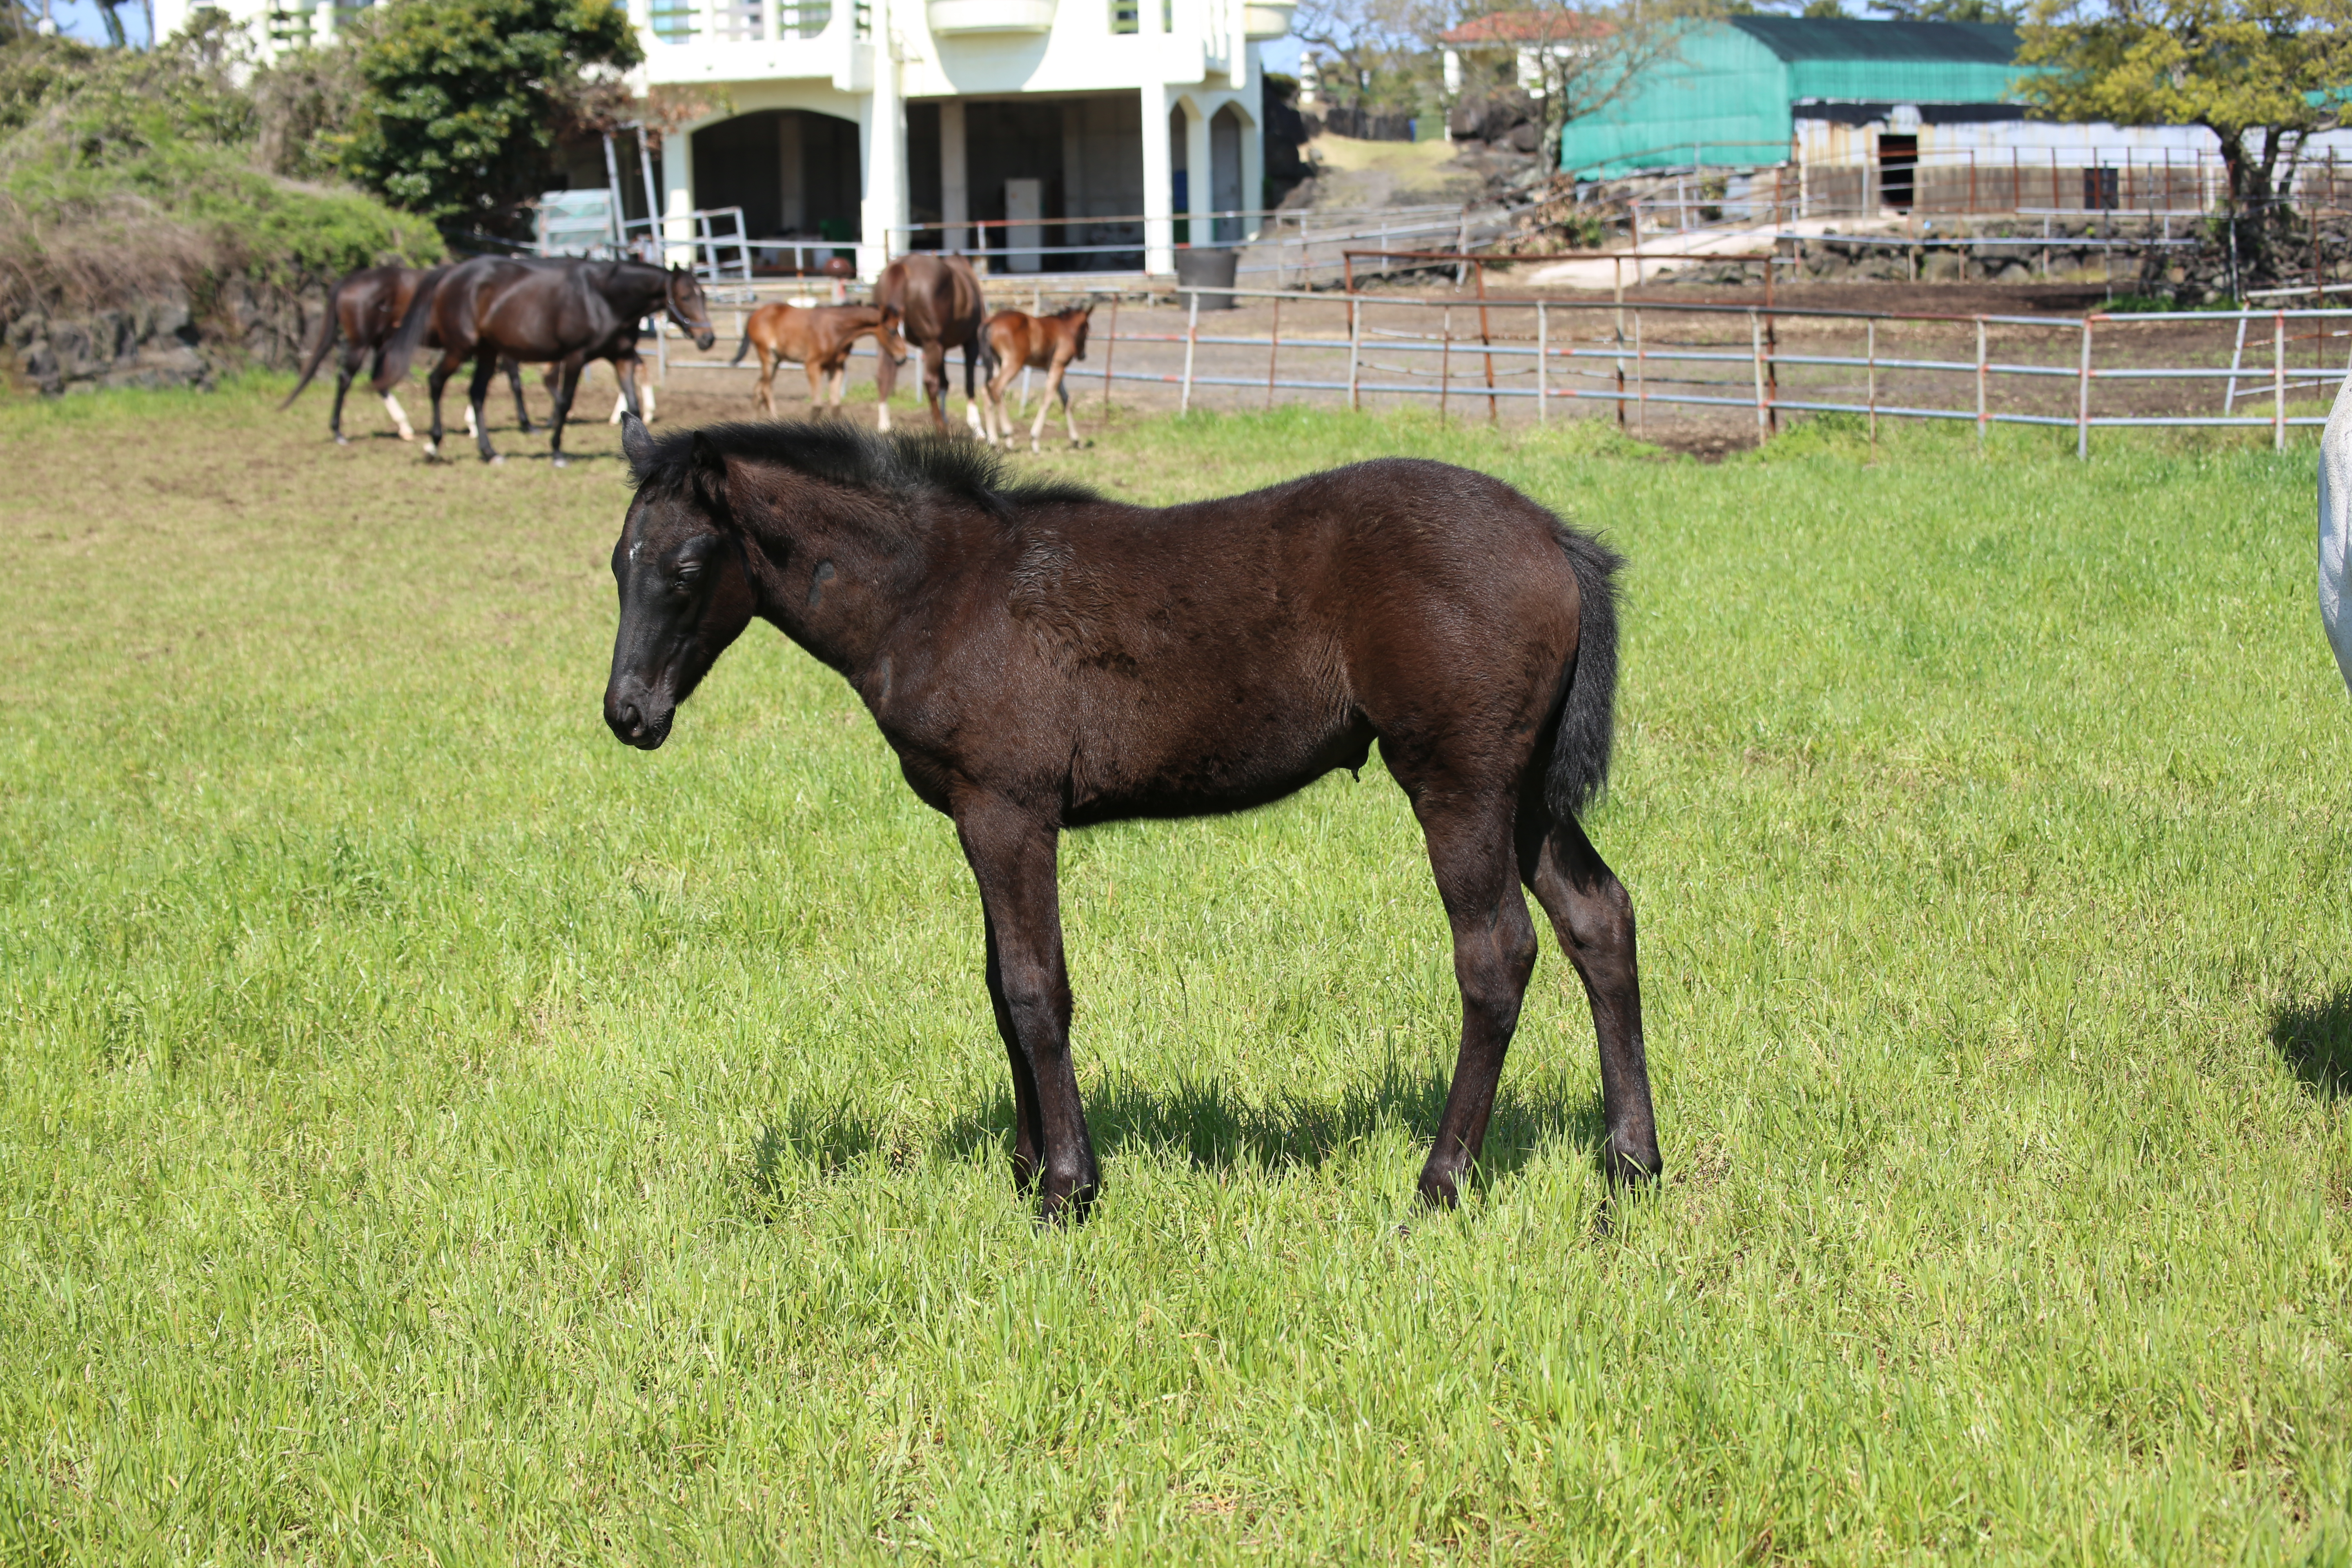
point(562, 314)
point(1017, 341)
point(363, 309)
point(818, 337)
point(941, 306)
point(1042, 658)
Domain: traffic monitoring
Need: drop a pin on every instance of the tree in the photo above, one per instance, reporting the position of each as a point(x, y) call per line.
point(467, 99)
point(2261, 75)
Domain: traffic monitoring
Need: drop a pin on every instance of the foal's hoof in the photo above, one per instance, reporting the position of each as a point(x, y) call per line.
point(342, 441)
point(1629, 1167)
point(1066, 1208)
point(560, 461)
point(494, 457)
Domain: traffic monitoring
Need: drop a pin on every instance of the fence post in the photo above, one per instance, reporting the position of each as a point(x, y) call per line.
point(1618, 269)
point(1110, 347)
point(2278, 381)
point(2083, 400)
point(1355, 343)
point(1981, 368)
point(1756, 350)
point(1273, 353)
point(1871, 329)
point(1543, 379)
point(2229, 397)
point(1191, 335)
point(1444, 362)
point(1641, 383)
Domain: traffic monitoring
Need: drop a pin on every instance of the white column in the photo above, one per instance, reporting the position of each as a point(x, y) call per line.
point(677, 179)
point(1200, 176)
point(1158, 183)
point(955, 174)
point(885, 207)
point(1252, 170)
point(1453, 72)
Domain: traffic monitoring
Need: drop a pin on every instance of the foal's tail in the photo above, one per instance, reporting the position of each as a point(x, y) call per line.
point(401, 348)
point(327, 331)
point(745, 346)
point(1587, 720)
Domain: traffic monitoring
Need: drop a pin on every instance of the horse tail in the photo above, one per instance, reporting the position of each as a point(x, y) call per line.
point(1587, 719)
point(400, 347)
point(326, 342)
point(745, 346)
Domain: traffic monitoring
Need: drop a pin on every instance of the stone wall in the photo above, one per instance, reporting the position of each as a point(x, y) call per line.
point(164, 339)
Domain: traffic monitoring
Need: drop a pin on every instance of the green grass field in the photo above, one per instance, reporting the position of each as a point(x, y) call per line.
point(432, 1132)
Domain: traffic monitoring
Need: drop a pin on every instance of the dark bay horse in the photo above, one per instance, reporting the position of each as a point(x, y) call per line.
point(562, 314)
point(1041, 659)
point(941, 307)
point(818, 337)
point(363, 310)
point(1019, 340)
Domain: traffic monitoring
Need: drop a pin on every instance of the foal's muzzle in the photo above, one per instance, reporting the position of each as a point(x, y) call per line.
point(639, 721)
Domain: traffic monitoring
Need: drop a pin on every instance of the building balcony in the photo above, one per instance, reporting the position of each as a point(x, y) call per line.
point(958, 16)
point(738, 40)
point(1267, 21)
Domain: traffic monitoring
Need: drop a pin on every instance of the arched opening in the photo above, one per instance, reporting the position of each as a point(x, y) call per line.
point(1226, 194)
point(794, 173)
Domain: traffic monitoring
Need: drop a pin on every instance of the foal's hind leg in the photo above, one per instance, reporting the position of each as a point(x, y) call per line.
point(1494, 952)
point(1593, 917)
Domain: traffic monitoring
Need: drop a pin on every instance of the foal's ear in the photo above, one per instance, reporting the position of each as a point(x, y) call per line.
point(706, 468)
point(636, 444)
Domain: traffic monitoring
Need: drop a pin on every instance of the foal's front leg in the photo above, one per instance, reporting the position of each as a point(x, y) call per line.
point(1012, 853)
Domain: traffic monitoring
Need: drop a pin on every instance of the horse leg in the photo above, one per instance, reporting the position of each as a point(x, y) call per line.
point(1011, 853)
point(1470, 848)
point(514, 380)
point(1046, 406)
point(970, 404)
point(935, 384)
point(485, 368)
point(1028, 1133)
point(347, 368)
point(433, 382)
point(1593, 918)
point(1061, 389)
point(886, 382)
point(562, 409)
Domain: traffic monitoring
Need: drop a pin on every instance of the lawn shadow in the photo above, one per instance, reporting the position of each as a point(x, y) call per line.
point(825, 1141)
point(2315, 1039)
point(1203, 1122)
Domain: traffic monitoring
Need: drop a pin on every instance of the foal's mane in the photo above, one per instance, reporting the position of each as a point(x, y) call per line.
point(907, 464)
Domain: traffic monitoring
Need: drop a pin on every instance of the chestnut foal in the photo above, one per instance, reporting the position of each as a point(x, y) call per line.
point(1023, 342)
point(818, 337)
point(1042, 658)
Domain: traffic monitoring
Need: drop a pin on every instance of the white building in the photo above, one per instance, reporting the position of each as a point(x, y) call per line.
point(890, 124)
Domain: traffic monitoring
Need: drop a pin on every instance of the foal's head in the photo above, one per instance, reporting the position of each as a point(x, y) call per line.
point(685, 590)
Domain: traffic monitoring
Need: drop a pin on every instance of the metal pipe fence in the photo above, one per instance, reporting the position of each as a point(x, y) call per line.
point(1643, 359)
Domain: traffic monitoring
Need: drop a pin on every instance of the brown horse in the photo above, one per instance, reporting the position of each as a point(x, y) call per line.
point(1042, 658)
point(1018, 340)
point(940, 305)
point(363, 309)
point(818, 337)
point(562, 314)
